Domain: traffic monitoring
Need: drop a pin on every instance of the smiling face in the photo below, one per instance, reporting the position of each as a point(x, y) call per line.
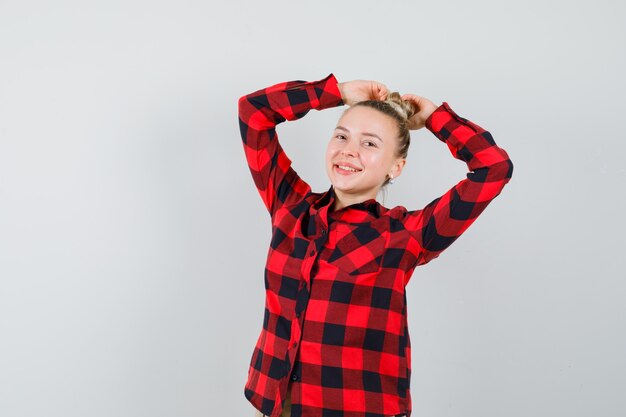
point(362, 153)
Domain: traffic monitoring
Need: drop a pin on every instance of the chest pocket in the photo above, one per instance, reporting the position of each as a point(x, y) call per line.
point(358, 248)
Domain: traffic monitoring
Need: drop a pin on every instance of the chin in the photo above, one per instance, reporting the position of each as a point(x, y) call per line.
point(344, 187)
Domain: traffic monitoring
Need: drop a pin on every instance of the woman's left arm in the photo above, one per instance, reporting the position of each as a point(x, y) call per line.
point(442, 221)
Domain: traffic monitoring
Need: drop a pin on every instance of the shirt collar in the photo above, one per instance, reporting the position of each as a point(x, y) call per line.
point(362, 212)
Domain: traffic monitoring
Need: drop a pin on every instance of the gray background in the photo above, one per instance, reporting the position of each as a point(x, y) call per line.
point(132, 239)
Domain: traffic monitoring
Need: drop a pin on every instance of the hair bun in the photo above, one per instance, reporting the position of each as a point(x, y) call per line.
point(403, 107)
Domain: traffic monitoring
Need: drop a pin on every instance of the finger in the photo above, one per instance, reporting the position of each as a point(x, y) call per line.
point(415, 99)
point(411, 97)
point(382, 91)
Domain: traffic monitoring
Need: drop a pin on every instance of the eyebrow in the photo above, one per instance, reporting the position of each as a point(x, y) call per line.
point(374, 135)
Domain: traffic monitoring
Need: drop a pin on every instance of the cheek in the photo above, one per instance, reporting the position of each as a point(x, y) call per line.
point(377, 162)
point(375, 159)
point(330, 152)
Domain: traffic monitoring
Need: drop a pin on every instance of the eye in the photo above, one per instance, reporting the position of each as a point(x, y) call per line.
point(369, 144)
point(340, 137)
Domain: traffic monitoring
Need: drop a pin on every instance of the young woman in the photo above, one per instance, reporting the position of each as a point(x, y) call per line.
point(335, 340)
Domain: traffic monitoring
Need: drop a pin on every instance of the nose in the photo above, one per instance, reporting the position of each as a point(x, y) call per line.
point(351, 149)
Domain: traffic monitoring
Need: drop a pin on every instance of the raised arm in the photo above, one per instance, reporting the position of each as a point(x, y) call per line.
point(443, 220)
point(259, 113)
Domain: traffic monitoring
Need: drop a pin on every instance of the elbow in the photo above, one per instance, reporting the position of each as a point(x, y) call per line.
point(504, 168)
point(507, 169)
point(502, 175)
point(241, 103)
point(507, 163)
point(246, 108)
point(502, 172)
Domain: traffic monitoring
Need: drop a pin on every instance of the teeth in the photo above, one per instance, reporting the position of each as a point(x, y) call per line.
point(345, 168)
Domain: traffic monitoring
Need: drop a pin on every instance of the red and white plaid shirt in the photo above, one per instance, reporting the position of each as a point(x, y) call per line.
point(335, 326)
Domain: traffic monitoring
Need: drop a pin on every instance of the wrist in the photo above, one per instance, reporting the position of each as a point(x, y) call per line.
point(340, 87)
point(430, 111)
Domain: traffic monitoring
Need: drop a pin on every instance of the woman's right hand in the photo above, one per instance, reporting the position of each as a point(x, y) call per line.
point(359, 90)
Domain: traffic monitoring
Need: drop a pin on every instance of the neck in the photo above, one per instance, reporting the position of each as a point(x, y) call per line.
point(343, 200)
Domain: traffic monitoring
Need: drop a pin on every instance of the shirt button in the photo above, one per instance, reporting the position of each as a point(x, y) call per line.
point(294, 377)
point(312, 253)
point(323, 232)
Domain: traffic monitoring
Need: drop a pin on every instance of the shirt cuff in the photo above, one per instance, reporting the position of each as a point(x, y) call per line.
point(328, 92)
point(443, 116)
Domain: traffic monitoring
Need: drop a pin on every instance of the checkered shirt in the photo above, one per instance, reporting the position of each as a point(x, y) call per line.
point(335, 325)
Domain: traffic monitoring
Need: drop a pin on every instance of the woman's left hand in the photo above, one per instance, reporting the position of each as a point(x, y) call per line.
point(424, 108)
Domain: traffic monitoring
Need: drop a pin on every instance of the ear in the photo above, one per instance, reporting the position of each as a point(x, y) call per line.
point(396, 169)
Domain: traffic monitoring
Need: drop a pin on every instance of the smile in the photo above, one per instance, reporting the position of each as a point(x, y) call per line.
point(345, 169)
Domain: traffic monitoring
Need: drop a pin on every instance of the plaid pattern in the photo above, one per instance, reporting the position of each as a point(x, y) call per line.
point(335, 326)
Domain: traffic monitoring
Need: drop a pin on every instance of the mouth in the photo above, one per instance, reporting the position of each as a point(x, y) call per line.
point(346, 169)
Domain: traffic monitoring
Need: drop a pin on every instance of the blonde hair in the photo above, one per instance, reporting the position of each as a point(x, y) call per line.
point(401, 111)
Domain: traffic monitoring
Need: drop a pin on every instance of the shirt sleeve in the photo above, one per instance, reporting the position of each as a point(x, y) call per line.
point(259, 113)
point(442, 221)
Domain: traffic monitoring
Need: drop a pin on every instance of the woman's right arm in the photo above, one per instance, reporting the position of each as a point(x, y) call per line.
point(259, 113)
